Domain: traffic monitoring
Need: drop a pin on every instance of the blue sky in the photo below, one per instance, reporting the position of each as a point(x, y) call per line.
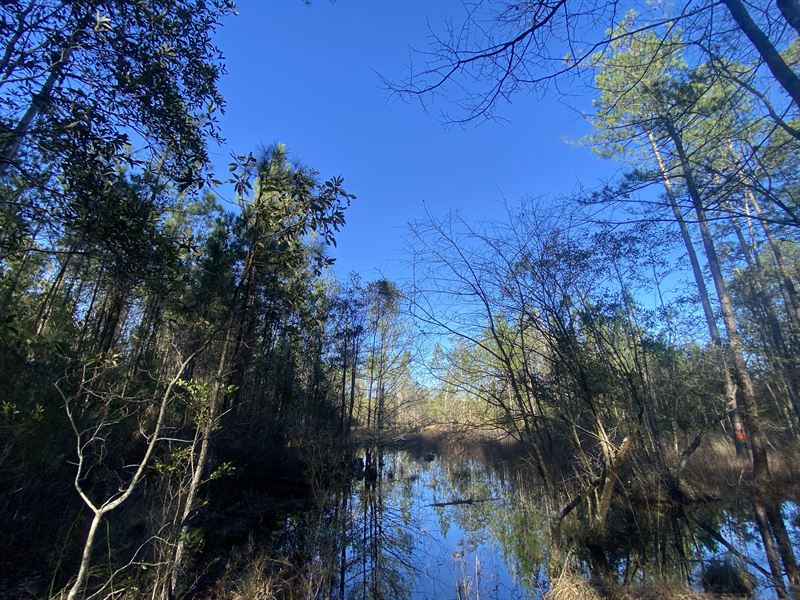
point(306, 75)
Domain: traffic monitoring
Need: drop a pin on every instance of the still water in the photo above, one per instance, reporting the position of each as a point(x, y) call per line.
point(420, 525)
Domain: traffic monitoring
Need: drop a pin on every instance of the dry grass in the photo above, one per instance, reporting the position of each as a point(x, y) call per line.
point(715, 469)
point(253, 581)
point(570, 587)
point(256, 583)
point(254, 576)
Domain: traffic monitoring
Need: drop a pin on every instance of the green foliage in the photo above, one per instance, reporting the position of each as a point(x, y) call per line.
point(226, 469)
point(194, 539)
point(117, 279)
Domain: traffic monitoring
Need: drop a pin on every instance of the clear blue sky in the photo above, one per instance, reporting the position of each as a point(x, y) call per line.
point(306, 75)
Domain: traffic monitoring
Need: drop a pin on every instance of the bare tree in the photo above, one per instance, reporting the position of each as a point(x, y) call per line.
point(86, 438)
point(502, 49)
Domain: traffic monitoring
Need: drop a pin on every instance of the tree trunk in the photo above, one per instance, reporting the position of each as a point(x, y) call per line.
point(738, 433)
point(769, 548)
point(746, 392)
point(343, 409)
point(614, 464)
point(5, 62)
point(47, 304)
point(790, 9)
point(772, 58)
point(9, 149)
point(793, 308)
point(773, 512)
point(776, 346)
point(89, 309)
point(354, 364)
point(197, 474)
point(214, 406)
point(86, 557)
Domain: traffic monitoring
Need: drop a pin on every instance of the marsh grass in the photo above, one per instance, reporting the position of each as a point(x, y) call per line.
point(712, 472)
point(265, 578)
point(573, 587)
point(716, 470)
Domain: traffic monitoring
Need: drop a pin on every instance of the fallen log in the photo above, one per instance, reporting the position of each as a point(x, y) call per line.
point(467, 501)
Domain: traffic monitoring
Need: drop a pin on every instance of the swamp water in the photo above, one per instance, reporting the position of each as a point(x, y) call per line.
point(422, 525)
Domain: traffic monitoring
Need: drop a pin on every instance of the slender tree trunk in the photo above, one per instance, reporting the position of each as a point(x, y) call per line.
point(214, 406)
point(746, 392)
point(380, 399)
point(739, 436)
point(47, 304)
point(343, 409)
point(87, 315)
point(148, 330)
point(316, 373)
point(775, 342)
point(788, 290)
point(614, 464)
point(352, 387)
point(113, 319)
point(10, 145)
point(697, 271)
point(11, 45)
point(86, 557)
point(371, 377)
point(793, 308)
point(200, 464)
point(769, 548)
point(773, 513)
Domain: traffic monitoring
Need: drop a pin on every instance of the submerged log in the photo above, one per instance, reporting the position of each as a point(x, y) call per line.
point(467, 501)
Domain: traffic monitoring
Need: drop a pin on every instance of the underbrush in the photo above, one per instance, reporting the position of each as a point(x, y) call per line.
point(716, 470)
point(251, 575)
point(570, 587)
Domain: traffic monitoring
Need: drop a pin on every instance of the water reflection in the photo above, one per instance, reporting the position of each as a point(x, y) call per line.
point(420, 526)
point(416, 524)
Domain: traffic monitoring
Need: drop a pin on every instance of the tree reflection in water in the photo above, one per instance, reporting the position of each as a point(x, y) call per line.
point(412, 524)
